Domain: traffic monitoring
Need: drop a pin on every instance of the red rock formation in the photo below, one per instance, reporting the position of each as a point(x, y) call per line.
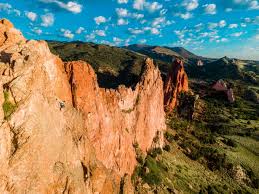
point(116, 119)
point(176, 82)
point(221, 86)
point(47, 146)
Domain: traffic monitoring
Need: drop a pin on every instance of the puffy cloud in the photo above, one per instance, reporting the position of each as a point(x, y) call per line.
point(47, 20)
point(122, 1)
point(122, 12)
point(152, 7)
point(71, 6)
point(122, 21)
point(210, 9)
point(100, 19)
point(190, 4)
point(139, 4)
point(254, 5)
point(100, 33)
point(80, 30)
point(222, 23)
point(233, 26)
point(257, 37)
point(31, 15)
point(154, 31)
point(67, 33)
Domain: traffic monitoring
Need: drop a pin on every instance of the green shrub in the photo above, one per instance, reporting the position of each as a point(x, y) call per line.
point(167, 148)
point(229, 142)
point(169, 137)
point(154, 177)
point(154, 152)
point(8, 107)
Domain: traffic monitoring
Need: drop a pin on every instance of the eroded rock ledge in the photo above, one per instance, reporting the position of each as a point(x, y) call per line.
point(60, 132)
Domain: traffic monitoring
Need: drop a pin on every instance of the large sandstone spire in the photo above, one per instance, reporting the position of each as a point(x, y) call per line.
point(59, 131)
point(176, 82)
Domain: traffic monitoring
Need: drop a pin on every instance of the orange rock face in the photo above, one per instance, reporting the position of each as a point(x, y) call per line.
point(116, 119)
point(64, 133)
point(176, 82)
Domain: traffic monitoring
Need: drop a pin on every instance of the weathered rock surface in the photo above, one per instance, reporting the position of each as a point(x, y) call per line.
point(176, 82)
point(221, 86)
point(117, 119)
point(48, 146)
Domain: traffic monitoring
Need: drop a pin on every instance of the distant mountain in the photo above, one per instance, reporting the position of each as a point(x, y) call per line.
point(115, 65)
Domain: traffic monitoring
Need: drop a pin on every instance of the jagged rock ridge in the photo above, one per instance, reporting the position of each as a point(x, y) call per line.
point(176, 82)
point(48, 146)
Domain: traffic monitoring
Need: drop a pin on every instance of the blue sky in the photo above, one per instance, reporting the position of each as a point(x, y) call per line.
point(213, 28)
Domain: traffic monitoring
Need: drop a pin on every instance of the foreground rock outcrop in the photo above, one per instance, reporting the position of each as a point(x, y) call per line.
point(60, 132)
point(176, 82)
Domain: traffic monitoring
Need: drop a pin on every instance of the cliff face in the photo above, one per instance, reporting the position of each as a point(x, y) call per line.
point(176, 82)
point(48, 146)
point(117, 119)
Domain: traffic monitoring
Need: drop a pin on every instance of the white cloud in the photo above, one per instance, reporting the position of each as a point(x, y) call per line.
point(71, 6)
point(122, 21)
point(136, 31)
point(154, 31)
point(122, 12)
point(37, 31)
point(139, 4)
point(100, 33)
point(47, 19)
point(152, 7)
point(137, 15)
point(212, 25)
point(190, 4)
point(257, 37)
point(117, 41)
point(233, 26)
point(67, 33)
point(210, 9)
point(222, 23)
point(237, 34)
point(9, 9)
point(254, 5)
point(5, 6)
point(100, 19)
point(122, 1)
point(228, 9)
point(31, 15)
point(185, 16)
point(80, 30)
